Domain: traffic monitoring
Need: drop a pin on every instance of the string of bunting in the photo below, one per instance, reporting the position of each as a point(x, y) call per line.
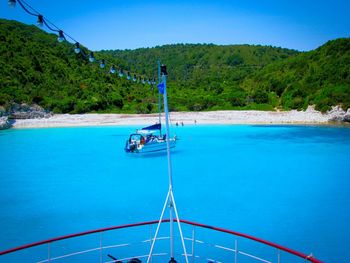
point(62, 36)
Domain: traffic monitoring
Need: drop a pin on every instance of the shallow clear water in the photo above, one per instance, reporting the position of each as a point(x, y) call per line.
point(286, 184)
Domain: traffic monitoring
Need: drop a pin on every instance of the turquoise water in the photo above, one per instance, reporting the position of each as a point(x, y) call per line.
point(286, 184)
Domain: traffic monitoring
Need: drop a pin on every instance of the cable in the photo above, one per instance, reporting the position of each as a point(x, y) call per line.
point(25, 9)
point(47, 25)
point(62, 36)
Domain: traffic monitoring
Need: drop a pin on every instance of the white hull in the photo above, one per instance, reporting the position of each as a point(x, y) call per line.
point(149, 147)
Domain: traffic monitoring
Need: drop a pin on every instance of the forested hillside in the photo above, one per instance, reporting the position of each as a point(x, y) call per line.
point(320, 77)
point(35, 68)
point(203, 77)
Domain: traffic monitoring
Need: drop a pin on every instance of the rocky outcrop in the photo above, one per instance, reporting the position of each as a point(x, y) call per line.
point(347, 116)
point(21, 111)
point(337, 114)
point(4, 123)
point(24, 111)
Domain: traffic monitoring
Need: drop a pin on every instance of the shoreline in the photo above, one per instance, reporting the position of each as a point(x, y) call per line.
point(293, 117)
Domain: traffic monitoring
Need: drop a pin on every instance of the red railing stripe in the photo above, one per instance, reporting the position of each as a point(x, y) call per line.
point(291, 251)
point(294, 252)
point(77, 235)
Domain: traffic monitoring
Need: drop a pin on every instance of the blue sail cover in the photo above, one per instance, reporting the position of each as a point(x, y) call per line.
point(161, 87)
point(157, 126)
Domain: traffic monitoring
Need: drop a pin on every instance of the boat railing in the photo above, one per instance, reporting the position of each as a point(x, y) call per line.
point(204, 244)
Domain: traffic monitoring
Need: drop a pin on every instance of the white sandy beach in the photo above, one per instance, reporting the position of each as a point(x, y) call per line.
point(310, 116)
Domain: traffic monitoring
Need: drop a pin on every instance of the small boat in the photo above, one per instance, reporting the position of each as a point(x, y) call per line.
point(145, 140)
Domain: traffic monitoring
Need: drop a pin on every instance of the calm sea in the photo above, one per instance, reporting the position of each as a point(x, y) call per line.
point(286, 184)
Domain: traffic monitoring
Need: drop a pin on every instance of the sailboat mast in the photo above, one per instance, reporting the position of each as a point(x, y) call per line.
point(159, 99)
point(170, 200)
point(166, 111)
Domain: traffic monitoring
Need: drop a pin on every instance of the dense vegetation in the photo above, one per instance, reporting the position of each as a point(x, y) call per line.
point(203, 77)
point(320, 77)
point(35, 68)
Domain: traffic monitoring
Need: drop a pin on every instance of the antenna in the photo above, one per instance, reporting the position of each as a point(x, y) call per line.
point(169, 200)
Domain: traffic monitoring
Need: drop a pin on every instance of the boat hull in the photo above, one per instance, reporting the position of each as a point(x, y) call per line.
point(151, 147)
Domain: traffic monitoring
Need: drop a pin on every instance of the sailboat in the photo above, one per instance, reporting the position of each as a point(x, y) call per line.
point(150, 139)
point(198, 242)
point(145, 140)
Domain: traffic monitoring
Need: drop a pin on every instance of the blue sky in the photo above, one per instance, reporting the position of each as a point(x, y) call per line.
point(114, 24)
